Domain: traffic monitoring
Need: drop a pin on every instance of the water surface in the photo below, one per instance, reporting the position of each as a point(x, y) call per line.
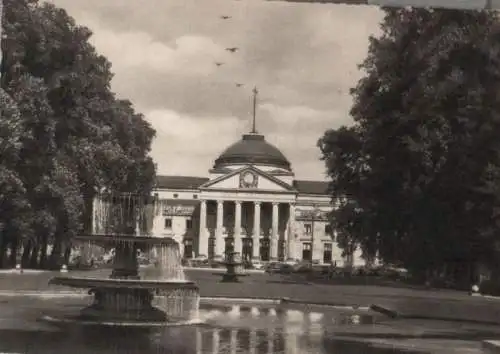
point(255, 329)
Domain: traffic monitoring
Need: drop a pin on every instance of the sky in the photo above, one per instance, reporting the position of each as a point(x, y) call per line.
point(302, 57)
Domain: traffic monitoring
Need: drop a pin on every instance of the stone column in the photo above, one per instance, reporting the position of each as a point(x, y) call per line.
point(233, 341)
point(253, 342)
point(256, 232)
point(292, 343)
point(215, 341)
point(270, 341)
point(237, 228)
point(219, 237)
point(290, 242)
point(199, 342)
point(202, 234)
point(275, 234)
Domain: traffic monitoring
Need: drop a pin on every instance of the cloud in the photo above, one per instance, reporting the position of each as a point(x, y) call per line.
point(188, 145)
point(139, 51)
point(303, 58)
point(296, 129)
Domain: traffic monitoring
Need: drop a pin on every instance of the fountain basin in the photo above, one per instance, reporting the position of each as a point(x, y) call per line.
point(139, 241)
point(88, 282)
point(129, 301)
point(78, 322)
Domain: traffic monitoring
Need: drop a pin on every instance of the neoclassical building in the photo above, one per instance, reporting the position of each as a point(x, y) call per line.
point(249, 202)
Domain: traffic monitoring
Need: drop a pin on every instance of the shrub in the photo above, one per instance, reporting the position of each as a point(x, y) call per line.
point(490, 287)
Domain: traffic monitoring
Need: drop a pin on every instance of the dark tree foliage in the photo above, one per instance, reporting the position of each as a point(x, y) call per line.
point(416, 176)
point(64, 135)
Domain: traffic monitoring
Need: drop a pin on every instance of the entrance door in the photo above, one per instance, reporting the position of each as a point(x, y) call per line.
point(211, 248)
point(306, 251)
point(264, 249)
point(327, 253)
point(281, 250)
point(246, 251)
point(188, 248)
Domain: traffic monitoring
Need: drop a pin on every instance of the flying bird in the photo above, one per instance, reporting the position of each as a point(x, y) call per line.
point(225, 17)
point(239, 85)
point(219, 64)
point(232, 50)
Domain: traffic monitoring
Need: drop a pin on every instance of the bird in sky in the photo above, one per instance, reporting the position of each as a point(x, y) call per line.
point(225, 17)
point(219, 64)
point(232, 50)
point(239, 85)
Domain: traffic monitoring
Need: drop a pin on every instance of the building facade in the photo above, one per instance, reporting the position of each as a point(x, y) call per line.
point(249, 203)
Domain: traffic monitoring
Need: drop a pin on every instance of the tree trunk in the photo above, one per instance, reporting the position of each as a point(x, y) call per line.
point(25, 258)
point(43, 252)
point(35, 255)
point(3, 250)
point(55, 255)
point(67, 253)
point(14, 247)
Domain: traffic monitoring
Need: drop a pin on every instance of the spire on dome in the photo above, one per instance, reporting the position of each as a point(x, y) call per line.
point(255, 93)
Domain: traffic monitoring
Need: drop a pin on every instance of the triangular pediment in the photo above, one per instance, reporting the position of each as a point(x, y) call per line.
point(248, 178)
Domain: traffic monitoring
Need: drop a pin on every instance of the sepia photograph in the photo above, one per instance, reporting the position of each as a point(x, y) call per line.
point(250, 176)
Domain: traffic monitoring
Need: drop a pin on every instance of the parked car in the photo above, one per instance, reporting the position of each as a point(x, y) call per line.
point(198, 262)
point(278, 268)
point(395, 272)
point(303, 267)
point(257, 265)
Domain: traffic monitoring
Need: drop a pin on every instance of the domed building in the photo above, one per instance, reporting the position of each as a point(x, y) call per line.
point(249, 203)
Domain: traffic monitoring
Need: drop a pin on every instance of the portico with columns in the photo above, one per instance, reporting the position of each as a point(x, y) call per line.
point(258, 229)
point(249, 203)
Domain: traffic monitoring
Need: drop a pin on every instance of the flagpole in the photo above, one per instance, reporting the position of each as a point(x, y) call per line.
point(255, 92)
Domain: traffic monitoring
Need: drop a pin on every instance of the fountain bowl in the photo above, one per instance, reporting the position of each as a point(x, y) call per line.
point(139, 241)
point(77, 321)
point(88, 282)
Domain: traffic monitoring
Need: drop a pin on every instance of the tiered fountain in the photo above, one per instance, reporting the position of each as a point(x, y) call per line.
point(124, 299)
point(234, 268)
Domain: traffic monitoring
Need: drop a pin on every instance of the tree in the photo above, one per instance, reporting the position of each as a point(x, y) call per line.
point(12, 191)
point(425, 119)
point(78, 138)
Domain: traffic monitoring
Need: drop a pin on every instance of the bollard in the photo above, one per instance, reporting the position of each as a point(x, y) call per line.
point(19, 269)
point(64, 268)
point(474, 290)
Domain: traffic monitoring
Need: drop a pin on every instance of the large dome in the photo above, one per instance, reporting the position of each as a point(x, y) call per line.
point(252, 149)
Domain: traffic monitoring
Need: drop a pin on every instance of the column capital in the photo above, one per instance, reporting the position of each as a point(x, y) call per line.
point(219, 202)
point(276, 203)
point(237, 202)
point(257, 203)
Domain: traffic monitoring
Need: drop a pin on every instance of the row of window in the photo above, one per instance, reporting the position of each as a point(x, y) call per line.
point(168, 224)
point(195, 196)
point(307, 246)
point(176, 195)
point(307, 227)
